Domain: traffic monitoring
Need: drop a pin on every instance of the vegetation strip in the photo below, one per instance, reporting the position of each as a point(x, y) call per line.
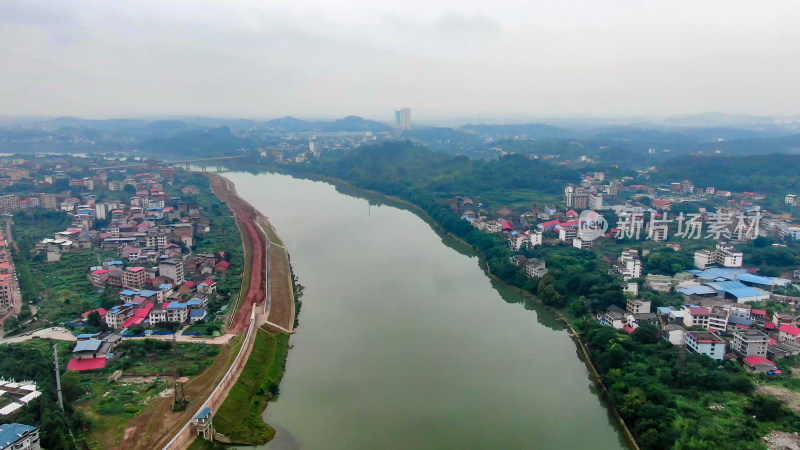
point(239, 418)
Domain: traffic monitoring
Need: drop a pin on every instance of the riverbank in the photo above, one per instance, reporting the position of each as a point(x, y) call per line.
point(581, 350)
point(269, 303)
point(239, 418)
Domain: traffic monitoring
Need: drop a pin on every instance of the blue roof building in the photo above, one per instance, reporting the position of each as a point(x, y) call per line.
point(89, 345)
point(737, 290)
point(17, 435)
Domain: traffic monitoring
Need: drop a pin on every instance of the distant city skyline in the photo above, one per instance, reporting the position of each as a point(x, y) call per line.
point(506, 60)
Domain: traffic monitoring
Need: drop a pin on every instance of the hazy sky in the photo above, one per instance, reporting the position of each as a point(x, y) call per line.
point(500, 58)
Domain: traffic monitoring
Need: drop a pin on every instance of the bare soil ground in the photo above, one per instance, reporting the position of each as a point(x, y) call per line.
point(156, 425)
point(789, 397)
point(254, 242)
point(781, 440)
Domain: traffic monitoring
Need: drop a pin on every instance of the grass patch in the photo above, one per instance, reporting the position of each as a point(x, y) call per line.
point(149, 356)
point(202, 444)
point(239, 417)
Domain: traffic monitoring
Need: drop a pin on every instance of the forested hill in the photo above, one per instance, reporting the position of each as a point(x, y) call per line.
point(394, 167)
point(771, 174)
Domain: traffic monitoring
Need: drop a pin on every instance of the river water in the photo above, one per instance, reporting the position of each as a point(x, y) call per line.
point(405, 343)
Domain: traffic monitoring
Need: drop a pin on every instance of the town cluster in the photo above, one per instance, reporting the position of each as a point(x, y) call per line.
point(145, 237)
point(717, 318)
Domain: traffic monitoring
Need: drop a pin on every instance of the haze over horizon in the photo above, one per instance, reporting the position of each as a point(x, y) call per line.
point(314, 59)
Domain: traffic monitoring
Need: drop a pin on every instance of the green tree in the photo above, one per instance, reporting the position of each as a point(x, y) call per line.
point(94, 319)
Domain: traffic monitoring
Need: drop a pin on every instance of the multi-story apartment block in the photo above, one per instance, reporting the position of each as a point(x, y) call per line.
point(637, 306)
point(172, 269)
point(134, 278)
point(724, 255)
point(9, 204)
point(750, 342)
point(629, 264)
point(117, 315)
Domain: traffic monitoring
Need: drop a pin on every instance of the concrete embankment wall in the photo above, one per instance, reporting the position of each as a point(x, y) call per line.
point(187, 434)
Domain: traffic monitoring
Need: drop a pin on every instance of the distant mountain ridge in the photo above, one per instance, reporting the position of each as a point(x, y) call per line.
point(346, 124)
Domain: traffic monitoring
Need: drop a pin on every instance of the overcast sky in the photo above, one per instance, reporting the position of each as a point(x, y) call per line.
point(330, 58)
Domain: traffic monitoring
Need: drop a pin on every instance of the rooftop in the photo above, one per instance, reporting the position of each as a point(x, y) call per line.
point(10, 433)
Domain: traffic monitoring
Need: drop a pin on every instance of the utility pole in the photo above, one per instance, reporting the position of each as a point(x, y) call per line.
point(58, 377)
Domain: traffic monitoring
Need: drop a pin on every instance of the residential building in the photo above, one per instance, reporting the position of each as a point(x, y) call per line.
point(134, 278)
point(48, 201)
point(784, 318)
point(758, 364)
point(576, 197)
point(117, 315)
point(518, 241)
point(172, 269)
point(613, 317)
point(718, 319)
point(696, 316)
point(635, 320)
point(596, 201)
point(706, 343)
point(749, 342)
point(724, 255)
point(9, 203)
point(567, 233)
point(402, 118)
point(788, 333)
point(637, 306)
point(660, 283)
point(629, 265)
point(177, 312)
point(792, 200)
point(19, 437)
point(535, 268)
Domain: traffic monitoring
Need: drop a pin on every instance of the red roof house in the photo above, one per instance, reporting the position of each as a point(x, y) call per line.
point(101, 311)
point(758, 364)
point(86, 364)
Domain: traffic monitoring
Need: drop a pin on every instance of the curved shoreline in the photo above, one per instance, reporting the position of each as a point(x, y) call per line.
point(245, 316)
point(582, 354)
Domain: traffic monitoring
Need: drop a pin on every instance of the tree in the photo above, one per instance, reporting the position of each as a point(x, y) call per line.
point(765, 407)
point(71, 386)
point(94, 319)
point(11, 323)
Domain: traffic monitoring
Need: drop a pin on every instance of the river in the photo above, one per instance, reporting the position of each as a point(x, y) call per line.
point(405, 343)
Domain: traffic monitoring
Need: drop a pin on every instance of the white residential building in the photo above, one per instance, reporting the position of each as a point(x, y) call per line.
point(629, 265)
point(724, 255)
point(706, 343)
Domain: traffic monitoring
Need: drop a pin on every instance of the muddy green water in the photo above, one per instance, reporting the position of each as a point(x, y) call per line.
point(404, 342)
